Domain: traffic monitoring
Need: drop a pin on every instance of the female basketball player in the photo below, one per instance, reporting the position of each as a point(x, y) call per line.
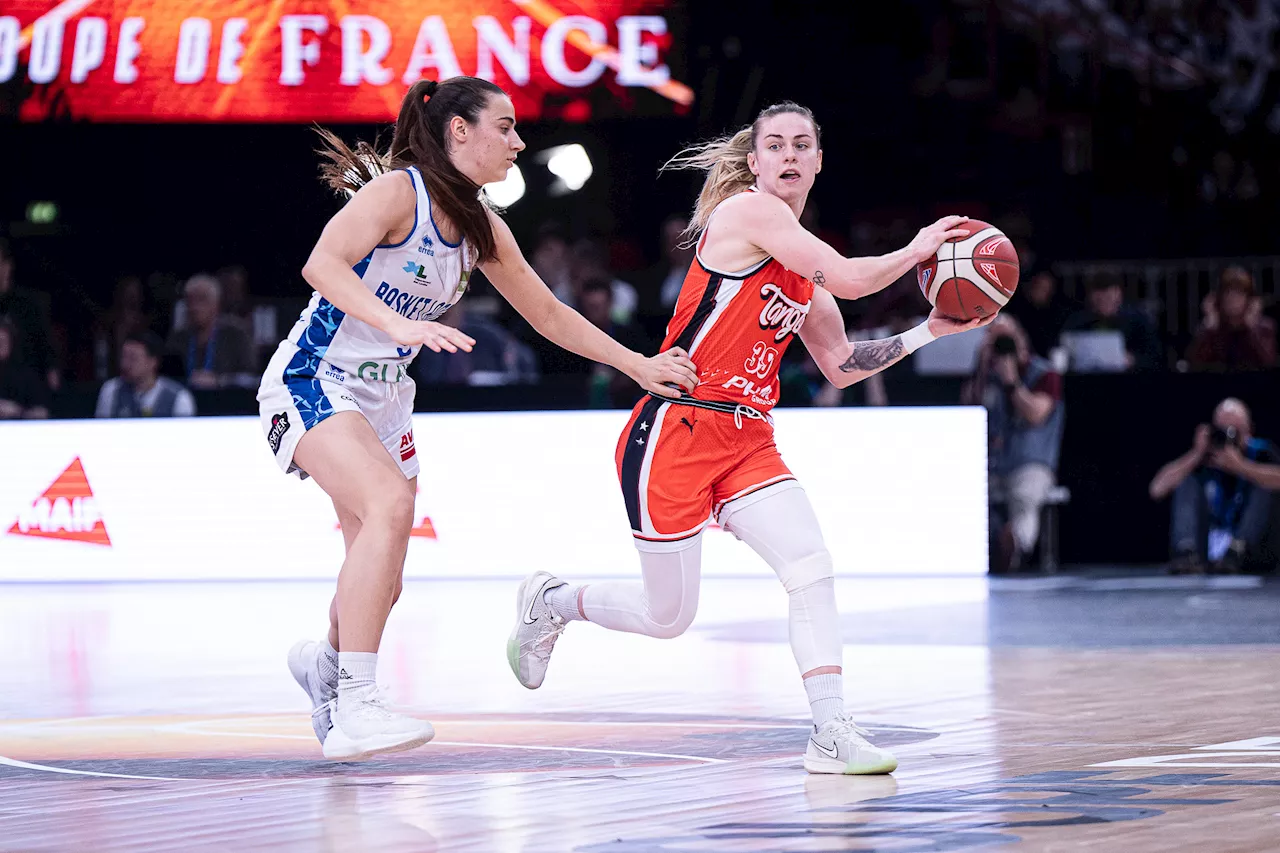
point(336, 402)
point(757, 280)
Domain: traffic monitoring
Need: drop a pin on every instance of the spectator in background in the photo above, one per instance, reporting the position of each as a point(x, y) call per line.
point(215, 353)
point(1106, 311)
point(609, 387)
point(664, 279)
point(140, 391)
point(1234, 334)
point(33, 336)
point(1025, 415)
point(22, 392)
point(236, 304)
point(550, 259)
point(497, 359)
point(1042, 310)
point(258, 320)
point(126, 316)
point(590, 263)
point(1221, 493)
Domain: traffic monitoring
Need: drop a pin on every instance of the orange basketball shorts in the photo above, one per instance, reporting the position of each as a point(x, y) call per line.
point(679, 465)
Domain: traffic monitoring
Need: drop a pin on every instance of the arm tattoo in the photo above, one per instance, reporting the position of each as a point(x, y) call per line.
point(874, 355)
point(818, 278)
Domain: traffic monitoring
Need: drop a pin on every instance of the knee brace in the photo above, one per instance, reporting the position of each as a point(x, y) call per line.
point(807, 571)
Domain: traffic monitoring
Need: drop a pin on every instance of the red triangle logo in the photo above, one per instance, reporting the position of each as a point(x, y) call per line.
point(66, 510)
point(424, 528)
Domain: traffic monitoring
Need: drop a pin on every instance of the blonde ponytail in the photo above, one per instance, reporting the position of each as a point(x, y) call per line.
point(725, 162)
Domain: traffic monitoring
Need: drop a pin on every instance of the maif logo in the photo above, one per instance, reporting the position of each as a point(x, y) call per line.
point(66, 510)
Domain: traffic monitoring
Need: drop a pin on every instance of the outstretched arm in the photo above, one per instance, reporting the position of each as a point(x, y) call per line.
point(845, 362)
point(564, 327)
point(766, 222)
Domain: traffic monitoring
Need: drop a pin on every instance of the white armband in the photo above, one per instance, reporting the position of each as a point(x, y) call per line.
point(913, 339)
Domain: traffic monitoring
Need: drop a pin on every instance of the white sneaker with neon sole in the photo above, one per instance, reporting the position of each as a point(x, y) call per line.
point(536, 631)
point(841, 746)
point(304, 663)
point(364, 725)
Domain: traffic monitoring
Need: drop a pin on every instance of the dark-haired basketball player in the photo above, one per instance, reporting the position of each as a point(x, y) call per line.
point(336, 401)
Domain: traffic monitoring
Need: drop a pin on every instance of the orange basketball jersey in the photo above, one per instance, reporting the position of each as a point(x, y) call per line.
point(736, 326)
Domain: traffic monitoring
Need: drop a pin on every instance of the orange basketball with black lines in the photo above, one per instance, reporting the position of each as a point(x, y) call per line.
point(972, 276)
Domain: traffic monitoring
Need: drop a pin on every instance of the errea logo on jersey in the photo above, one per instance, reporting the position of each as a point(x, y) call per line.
point(425, 248)
point(781, 313)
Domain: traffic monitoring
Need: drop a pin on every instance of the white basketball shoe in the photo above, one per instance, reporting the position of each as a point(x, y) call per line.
point(363, 725)
point(304, 663)
point(536, 631)
point(841, 746)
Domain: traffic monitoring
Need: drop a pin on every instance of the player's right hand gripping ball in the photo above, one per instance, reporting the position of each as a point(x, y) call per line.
point(971, 277)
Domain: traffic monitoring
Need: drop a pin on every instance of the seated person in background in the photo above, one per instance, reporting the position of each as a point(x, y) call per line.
point(590, 261)
point(1025, 413)
point(497, 359)
point(214, 351)
point(23, 393)
point(1042, 310)
point(1221, 493)
point(140, 391)
point(1107, 312)
point(1234, 334)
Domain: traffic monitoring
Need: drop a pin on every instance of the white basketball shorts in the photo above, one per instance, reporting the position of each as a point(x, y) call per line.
point(299, 390)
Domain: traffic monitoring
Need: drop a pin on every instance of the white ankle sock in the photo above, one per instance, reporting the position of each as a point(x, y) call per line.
point(328, 663)
point(357, 672)
point(563, 601)
point(826, 696)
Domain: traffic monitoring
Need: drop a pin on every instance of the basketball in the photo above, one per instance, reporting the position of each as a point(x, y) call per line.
point(971, 277)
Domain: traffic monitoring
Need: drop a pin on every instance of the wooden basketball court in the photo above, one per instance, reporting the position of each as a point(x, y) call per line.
point(1101, 714)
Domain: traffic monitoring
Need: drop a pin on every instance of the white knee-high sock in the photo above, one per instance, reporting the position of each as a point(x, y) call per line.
point(814, 625)
point(662, 606)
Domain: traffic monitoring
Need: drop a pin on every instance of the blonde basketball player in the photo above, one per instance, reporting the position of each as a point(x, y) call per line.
point(336, 403)
point(758, 280)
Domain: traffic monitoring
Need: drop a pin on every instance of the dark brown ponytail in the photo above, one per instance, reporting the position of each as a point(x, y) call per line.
point(419, 140)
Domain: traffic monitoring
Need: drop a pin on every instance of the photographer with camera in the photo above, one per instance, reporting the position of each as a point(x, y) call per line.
point(1025, 413)
point(1221, 493)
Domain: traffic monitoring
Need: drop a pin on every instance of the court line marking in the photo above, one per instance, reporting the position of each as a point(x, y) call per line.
point(88, 726)
point(195, 731)
point(26, 765)
point(697, 758)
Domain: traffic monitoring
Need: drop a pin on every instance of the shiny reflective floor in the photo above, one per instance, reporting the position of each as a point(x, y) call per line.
point(1060, 714)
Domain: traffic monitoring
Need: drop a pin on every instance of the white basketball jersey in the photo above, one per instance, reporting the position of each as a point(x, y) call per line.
point(420, 278)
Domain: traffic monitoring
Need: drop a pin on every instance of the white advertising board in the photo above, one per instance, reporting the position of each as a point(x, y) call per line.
point(897, 491)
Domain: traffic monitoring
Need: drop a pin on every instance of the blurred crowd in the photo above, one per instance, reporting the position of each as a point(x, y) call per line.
point(1184, 95)
point(210, 332)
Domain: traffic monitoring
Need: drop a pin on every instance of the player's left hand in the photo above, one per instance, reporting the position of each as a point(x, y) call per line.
point(941, 324)
point(667, 373)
